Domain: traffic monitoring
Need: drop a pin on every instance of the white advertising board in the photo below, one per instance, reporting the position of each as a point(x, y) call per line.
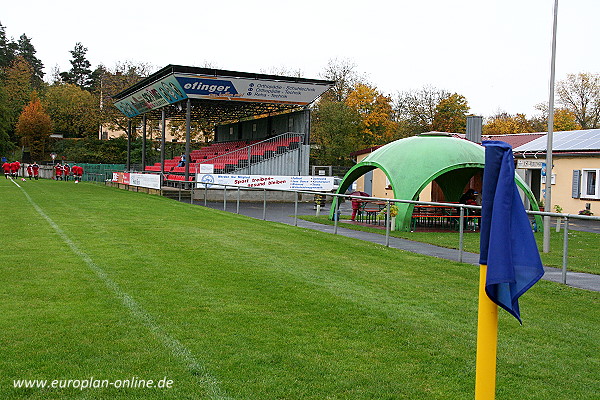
point(244, 89)
point(151, 181)
point(313, 183)
point(207, 168)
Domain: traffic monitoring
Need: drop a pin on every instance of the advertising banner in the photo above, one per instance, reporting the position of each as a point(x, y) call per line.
point(245, 89)
point(313, 183)
point(159, 94)
point(179, 86)
point(151, 181)
point(121, 177)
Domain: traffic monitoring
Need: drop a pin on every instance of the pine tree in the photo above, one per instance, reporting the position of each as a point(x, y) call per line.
point(27, 51)
point(7, 49)
point(80, 73)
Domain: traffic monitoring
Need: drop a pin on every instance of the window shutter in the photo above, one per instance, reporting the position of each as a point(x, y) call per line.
point(576, 184)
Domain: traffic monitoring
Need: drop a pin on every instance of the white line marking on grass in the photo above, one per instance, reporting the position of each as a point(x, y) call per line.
point(177, 349)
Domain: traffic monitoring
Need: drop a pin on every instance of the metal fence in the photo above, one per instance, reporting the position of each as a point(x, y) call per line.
point(462, 209)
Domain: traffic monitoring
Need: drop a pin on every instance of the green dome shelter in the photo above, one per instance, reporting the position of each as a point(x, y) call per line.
point(413, 163)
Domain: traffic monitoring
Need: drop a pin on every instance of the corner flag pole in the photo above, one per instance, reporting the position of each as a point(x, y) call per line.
point(487, 343)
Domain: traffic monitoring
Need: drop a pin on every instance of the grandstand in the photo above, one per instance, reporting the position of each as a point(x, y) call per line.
point(239, 156)
point(261, 122)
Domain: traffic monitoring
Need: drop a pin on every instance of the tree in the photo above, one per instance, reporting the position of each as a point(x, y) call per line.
point(6, 144)
point(80, 73)
point(17, 92)
point(8, 49)
point(503, 124)
point(343, 73)
point(451, 114)
point(34, 128)
point(335, 132)
point(375, 111)
point(26, 50)
point(75, 112)
point(564, 119)
point(580, 94)
point(417, 109)
point(113, 81)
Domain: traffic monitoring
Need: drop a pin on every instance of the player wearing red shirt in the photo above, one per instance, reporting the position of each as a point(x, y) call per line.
point(6, 168)
point(29, 171)
point(66, 171)
point(14, 168)
point(77, 172)
point(36, 170)
point(58, 170)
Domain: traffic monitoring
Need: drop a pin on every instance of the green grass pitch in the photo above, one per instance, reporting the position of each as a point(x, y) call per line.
point(108, 285)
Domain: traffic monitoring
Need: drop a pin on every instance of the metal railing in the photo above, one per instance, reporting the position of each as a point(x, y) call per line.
point(204, 187)
point(247, 157)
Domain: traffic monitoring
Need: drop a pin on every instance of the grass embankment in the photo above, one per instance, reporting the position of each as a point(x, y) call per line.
point(117, 284)
point(583, 254)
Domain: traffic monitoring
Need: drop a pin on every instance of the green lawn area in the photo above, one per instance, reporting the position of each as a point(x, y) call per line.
point(102, 283)
point(583, 254)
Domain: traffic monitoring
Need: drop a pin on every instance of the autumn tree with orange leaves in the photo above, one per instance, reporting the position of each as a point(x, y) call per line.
point(376, 114)
point(34, 127)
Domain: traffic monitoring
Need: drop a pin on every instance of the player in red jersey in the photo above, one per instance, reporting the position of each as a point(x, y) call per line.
point(36, 170)
point(58, 170)
point(66, 171)
point(14, 169)
point(6, 168)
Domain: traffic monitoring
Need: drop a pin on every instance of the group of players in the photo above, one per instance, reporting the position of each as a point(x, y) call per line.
point(64, 171)
point(11, 170)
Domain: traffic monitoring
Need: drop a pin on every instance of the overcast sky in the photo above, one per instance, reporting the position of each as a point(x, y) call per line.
point(494, 52)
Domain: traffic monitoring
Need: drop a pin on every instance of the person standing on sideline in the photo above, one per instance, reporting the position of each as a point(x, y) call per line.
point(36, 170)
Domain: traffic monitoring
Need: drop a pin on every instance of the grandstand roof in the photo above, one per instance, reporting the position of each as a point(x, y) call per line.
point(216, 95)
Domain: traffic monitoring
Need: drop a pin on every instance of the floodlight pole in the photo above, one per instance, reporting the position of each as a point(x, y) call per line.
point(548, 199)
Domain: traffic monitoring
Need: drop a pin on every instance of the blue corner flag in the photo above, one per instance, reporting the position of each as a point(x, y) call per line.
point(507, 247)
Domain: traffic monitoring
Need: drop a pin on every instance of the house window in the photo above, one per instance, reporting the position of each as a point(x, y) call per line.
point(590, 184)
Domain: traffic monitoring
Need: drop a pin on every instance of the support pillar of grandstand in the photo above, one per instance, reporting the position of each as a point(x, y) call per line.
point(129, 145)
point(143, 142)
point(188, 128)
point(163, 141)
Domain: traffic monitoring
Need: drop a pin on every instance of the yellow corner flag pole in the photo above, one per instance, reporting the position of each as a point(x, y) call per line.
point(487, 341)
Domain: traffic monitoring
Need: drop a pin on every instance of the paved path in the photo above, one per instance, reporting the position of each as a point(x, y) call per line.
point(284, 212)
